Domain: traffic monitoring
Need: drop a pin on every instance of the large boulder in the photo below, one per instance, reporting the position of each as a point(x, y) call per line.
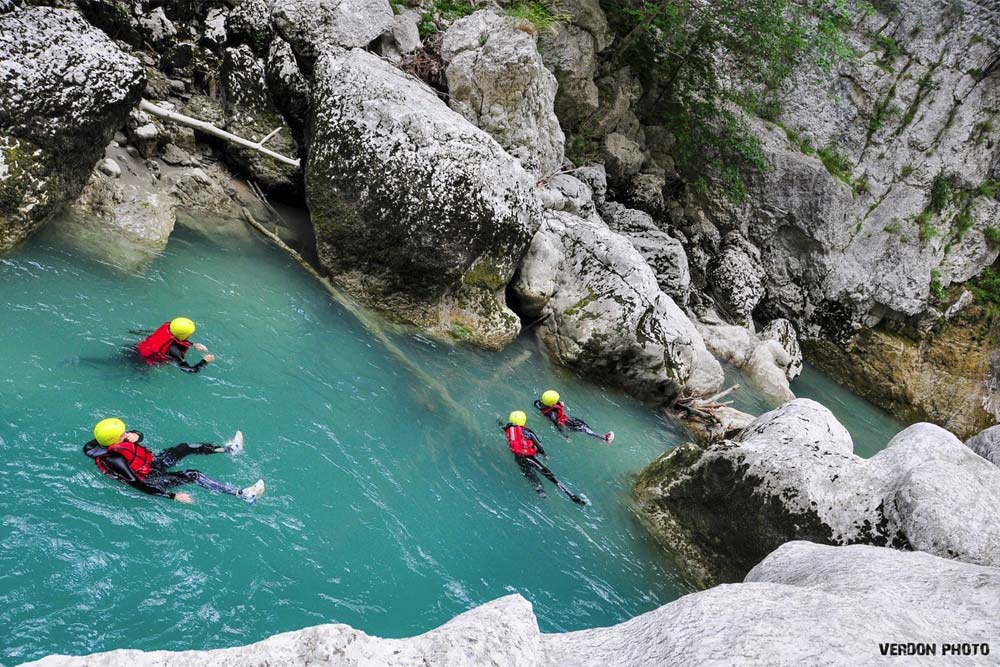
point(315, 26)
point(792, 475)
point(497, 80)
point(770, 361)
point(64, 90)
point(605, 313)
point(804, 604)
point(986, 444)
point(249, 23)
point(416, 211)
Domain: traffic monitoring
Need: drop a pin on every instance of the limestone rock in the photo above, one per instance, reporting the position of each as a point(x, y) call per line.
point(249, 23)
point(804, 604)
point(497, 80)
point(214, 35)
point(289, 88)
point(623, 156)
point(157, 28)
point(737, 281)
point(606, 313)
point(664, 254)
point(792, 475)
point(249, 113)
point(406, 33)
point(415, 209)
point(65, 89)
point(783, 331)
point(569, 53)
point(315, 26)
point(986, 444)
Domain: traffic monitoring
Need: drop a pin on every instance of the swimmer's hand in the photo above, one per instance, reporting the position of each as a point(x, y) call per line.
point(184, 498)
point(131, 436)
point(200, 347)
point(209, 358)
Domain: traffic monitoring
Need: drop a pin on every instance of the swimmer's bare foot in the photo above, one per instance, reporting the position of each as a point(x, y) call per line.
point(235, 444)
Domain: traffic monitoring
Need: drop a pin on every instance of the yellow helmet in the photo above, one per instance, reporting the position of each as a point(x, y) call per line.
point(181, 328)
point(109, 431)
point(518, 418)
point(550, 398)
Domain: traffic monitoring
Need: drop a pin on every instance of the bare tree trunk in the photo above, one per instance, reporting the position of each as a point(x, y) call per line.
point(208, 128)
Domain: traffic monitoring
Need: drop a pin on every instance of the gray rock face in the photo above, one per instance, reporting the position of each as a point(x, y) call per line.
point(289, 88)
point(664, 254)
point(623, 156)
point(315, 26)
point(64, 90)
point(249, 113)
point(249, 23)
point(569, 53)
point(838, 258)
point(987, 444)
point(416, 210)
point(606, 313)
point(497, 80)
point(783, 331)
point(738, 283)
point(792, 475)
point(804, 604)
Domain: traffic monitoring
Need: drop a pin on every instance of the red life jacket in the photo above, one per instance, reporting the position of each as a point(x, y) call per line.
point(139, 459)
point(561, 417)
point(153, 350)
point(519, 443)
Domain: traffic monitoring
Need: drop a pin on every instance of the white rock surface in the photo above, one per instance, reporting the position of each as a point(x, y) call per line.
point(415, 209)
point(497, 80)
point(315, 26)
point(664, 254)
point(986, 444)
point(770, 360)
point(805, 604)
point(606, 313)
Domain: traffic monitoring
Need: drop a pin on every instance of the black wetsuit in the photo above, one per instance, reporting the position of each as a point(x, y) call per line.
point(160, 480)
point(176, 352)
point(529, 465)
point(572, 424)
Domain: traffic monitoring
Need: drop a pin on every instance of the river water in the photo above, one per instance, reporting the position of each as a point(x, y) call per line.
point(392, 504)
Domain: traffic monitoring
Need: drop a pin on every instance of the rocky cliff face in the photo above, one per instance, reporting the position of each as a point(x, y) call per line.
point(804, 604)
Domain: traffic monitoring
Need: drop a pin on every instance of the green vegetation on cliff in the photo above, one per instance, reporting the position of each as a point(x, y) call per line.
point(674, 48)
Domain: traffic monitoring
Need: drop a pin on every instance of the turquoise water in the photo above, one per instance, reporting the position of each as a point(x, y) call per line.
point(389, 506)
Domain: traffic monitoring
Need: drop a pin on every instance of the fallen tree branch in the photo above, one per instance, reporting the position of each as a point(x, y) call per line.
point(208, 128)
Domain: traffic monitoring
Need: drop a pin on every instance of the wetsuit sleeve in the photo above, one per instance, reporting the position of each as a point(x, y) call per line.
point(177, 354)
point(119, 467)
point(530, 435)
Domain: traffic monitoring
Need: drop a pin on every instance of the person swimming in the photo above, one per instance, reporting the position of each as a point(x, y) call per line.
point(525, 445)
point(551, 407)
point(120, 454)
point(170, 343)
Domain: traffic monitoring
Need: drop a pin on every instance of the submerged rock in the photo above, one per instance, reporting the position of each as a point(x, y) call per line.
point(605, 313)
point(417, 211)
point(770, 360)
point(66, 88)
point(497, 80)
point(804, 604)
point(792, 475)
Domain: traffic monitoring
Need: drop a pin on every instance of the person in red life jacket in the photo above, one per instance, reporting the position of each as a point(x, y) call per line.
point(170, 343)
point(120, 454)
point(551, 407)
point(525, 445)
